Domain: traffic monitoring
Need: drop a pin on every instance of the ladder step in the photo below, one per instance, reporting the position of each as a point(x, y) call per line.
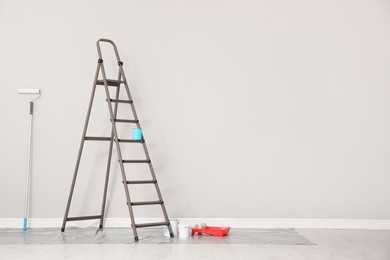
point(151, 224)
point(142, 182)
point(121, 101)
point(143, 203)
point(97, 138)
point(130, 141)
point(126, 121)
point(83, 218)
point(136, 161)
point(110, 82)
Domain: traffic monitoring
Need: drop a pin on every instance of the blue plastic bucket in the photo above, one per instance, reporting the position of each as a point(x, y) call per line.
point(136, 134)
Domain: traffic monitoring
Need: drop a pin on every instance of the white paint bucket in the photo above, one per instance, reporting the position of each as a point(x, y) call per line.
point(184, 231)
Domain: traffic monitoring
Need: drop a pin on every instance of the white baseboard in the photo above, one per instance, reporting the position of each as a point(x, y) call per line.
point(230, 222)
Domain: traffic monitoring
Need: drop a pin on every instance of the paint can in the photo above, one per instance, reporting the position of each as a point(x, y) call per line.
point(136, 134)
point(184, 231)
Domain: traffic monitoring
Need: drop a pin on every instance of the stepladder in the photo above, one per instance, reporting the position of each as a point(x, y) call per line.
point(113, 102)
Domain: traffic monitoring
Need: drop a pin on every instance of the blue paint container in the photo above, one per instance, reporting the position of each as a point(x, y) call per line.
point(136, 134)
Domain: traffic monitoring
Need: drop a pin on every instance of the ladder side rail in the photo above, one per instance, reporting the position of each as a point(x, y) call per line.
point(120, 159)
point(109, 160)
point(80, 149)
point(165, 213)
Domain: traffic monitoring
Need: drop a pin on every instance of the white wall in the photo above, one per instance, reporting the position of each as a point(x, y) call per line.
point(251, 109)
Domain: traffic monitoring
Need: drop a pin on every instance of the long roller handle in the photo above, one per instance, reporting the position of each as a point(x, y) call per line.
point(28, 173)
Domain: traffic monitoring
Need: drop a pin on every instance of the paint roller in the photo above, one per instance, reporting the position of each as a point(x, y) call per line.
point(28, 173)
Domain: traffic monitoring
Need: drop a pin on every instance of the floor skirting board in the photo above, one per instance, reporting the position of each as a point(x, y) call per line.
point(231, 222)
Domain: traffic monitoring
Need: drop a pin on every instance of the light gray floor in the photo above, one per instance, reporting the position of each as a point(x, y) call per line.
point(331, 244)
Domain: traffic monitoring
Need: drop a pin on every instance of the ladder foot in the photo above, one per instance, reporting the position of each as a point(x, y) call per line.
point(171, 234)
point(100, 226)
point(136, 238)
point(62, 229)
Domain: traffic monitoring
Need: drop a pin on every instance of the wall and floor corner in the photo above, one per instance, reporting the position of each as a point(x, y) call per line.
point(252, 110)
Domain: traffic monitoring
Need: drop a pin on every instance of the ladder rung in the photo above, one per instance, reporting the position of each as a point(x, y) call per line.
point(126, 121)
point(130, 141)
point(136, 161)
point(110, 82)
point(121, 101)
point(151, 224)
point(142, 182)
point(97, 138)
point(83, 218)
point(143, 203)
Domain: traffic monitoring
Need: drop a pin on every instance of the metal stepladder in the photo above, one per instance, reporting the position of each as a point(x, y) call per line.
point(115, 139)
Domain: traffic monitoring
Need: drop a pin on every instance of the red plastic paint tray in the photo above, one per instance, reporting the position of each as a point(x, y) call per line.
point(215, 231)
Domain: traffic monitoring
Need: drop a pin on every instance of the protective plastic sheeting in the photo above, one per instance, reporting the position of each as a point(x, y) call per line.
point(147, 236)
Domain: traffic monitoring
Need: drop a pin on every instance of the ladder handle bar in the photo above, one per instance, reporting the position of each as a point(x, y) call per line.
point(113, 45)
